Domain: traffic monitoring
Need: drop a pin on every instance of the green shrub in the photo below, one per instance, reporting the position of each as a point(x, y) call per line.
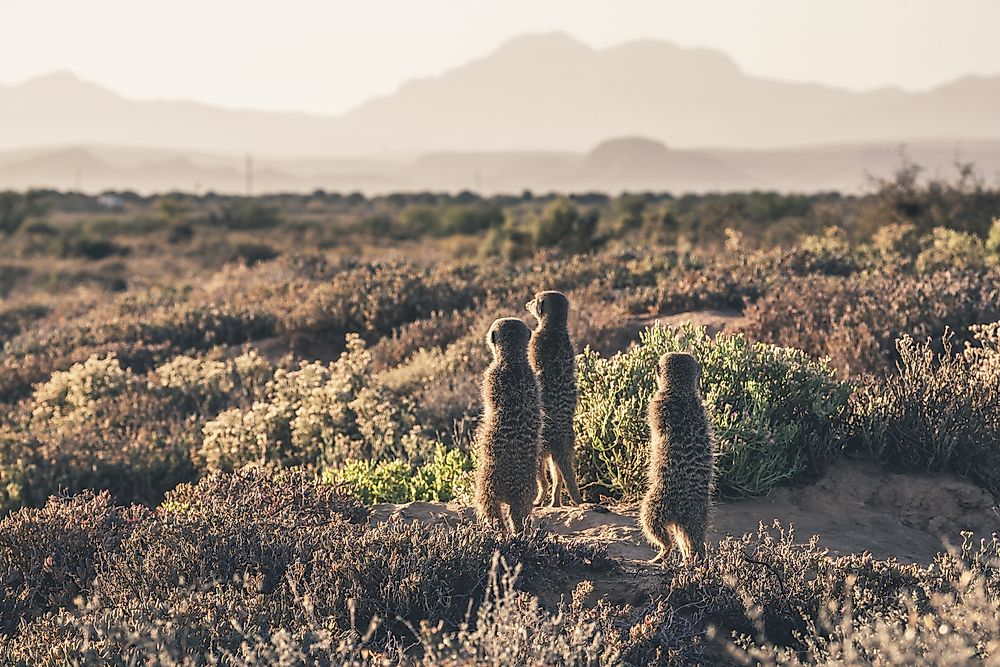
point(441, 479)
point(774, 411)
point(563, 225)
point(993, 240)
point(948, 249)
point(940, 412)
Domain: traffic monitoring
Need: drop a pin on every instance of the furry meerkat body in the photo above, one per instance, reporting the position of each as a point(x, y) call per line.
point(676, 508)
point(508, 436)
point(551, 355)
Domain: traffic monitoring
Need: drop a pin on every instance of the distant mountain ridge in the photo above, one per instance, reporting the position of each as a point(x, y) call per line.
point(544, 92)
point(628, 163)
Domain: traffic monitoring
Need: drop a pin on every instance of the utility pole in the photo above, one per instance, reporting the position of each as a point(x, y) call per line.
point(249, 174)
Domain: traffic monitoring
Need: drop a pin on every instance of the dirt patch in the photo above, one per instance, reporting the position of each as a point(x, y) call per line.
point(857, 507)
point(714, 321)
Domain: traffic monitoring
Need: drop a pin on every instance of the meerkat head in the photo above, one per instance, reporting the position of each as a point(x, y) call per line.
point(549, 307)
point(508, 338)
point(678, 371)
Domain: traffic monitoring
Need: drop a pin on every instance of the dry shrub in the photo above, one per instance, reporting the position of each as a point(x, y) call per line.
point(252, 559)
point(48, 556)
point(945, 614)
point(856, 320)
point(253, 568)
point(374, 300)
point(939, 412)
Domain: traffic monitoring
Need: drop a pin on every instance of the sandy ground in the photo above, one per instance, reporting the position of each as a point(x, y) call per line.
point(714, 321)
point(856, 507)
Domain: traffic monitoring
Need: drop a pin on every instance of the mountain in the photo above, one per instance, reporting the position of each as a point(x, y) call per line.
point(628, 163)
point(544, 92)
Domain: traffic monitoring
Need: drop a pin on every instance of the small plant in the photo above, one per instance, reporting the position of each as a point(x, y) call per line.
point(775, 411)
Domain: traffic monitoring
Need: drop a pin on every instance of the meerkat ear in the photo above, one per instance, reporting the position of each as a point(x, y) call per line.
point(539, 304)
point(493, 336)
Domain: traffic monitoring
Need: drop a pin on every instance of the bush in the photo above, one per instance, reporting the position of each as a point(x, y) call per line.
point(940, 412)
point(49, 555)
point(774, 411)
point(563, 225)
point(242, 561)
point(444, 477)
point(88, 247)
point(312, 416)
point(205, 385)
point(72, 396)
point(247, 214)
point(251, 253)
point(855, 320)
point(374, 300)
point(15, 318)
point(948, 249)
point(134, 445)
point(993, 240)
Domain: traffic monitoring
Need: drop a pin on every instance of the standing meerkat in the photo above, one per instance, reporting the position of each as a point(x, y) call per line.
point(552, 358)
point(675, 509)
point(508, 435)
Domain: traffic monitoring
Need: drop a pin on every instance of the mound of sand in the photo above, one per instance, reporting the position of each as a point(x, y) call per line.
point(856, 507)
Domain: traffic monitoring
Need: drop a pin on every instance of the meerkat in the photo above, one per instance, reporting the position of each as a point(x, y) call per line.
point(508, 435)
point(675, 510)
point(551, 355)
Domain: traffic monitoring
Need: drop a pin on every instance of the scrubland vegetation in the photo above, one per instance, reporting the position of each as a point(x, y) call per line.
point(201, 396)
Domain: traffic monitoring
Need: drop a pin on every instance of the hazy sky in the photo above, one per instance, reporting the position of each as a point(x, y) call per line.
point(327, 56)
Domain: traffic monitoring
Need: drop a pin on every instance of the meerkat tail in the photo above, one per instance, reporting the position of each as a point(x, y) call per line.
point(555, 498)
point(681, 539)
point(567, 473)
point(543, 481)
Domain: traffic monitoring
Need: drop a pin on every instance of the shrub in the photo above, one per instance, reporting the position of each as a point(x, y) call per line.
point(948, 249)
point(855, 320)
point(245, 561)
point(774, 411)
point(562, 224)
point(87, 247)
point(247, 214)
point(49, 555)
point(374, 300)
point(993, 240)
point(133, 444)
point(72, 395)
point(17, 208)
point(441, 479)
point(15, 318)
point(940, 412)
point(316, 414)
point(251, 253)
point(204, 385)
